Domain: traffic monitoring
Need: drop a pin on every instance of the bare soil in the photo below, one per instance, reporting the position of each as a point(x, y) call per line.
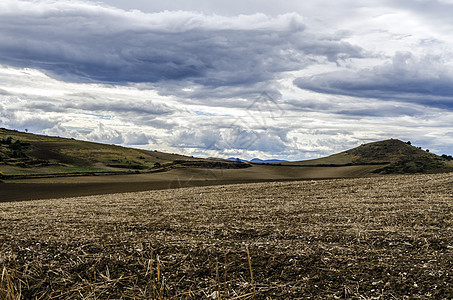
point(370, 238)
point(57, 187)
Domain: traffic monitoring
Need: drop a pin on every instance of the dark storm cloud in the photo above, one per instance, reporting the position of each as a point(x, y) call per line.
point(427, 81)
point(87, 43)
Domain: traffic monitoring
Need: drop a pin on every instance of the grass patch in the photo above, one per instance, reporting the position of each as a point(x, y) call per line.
point(79, 170)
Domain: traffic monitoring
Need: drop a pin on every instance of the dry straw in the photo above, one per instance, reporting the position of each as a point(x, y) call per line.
point(366, 238)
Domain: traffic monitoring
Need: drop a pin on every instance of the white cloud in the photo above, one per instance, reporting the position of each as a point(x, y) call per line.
point(136, 139)
point(105, 135)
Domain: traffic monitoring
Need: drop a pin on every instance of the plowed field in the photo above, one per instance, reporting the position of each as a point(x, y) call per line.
point(369, 238)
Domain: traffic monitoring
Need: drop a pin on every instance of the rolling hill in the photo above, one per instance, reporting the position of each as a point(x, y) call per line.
point(392, 156)
point(26, 154)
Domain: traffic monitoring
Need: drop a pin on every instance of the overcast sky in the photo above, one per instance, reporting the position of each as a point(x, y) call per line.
point(269, 79)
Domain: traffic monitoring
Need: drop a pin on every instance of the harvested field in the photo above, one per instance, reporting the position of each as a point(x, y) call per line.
point(376, 238)
point(57, 187)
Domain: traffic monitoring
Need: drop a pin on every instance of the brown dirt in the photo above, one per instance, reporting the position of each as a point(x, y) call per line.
point(369, 238)
point(45, 188)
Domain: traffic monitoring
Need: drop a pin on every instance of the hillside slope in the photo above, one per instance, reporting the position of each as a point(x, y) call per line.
point(26, 154)
point(400, 157)
point(395, 156)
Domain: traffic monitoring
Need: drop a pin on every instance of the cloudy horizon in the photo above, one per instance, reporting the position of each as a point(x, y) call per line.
point(242, 79)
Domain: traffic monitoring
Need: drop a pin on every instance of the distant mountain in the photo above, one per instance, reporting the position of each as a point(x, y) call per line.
point(257, 160)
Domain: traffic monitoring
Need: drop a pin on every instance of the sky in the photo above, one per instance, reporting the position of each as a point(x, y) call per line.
point(287, 80)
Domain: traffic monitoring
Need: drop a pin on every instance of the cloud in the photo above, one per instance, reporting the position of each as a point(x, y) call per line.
point(436, 12)
point(426, 80)
point(105, 135)
point(83, 42)
point(134, 108)
point(136, 138)
point(4, 93)
point(355, 107)
point(102, 134)
point(11, 118)
point(233, 139)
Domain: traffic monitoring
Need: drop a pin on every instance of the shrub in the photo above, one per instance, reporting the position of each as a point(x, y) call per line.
point(15, 146)
point(7, 141)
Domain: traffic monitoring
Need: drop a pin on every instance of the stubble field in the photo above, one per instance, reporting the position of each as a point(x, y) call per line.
point(371, 238)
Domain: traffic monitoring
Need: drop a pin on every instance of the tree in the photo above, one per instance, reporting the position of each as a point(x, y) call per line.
point(409, 143)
